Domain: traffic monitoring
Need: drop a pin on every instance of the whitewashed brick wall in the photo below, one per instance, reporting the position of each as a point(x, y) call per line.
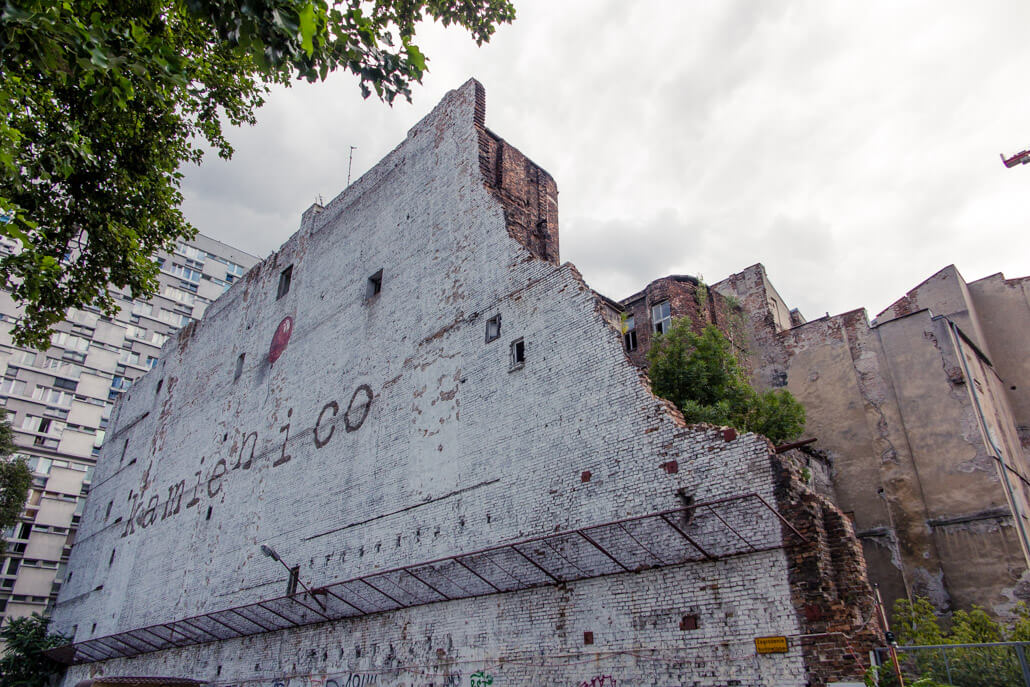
point(457, 453)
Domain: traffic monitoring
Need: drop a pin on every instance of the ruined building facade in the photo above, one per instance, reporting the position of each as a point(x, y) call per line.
point(921, 418)
point(433, 424)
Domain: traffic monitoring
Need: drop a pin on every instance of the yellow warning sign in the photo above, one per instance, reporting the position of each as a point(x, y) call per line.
point(771, 645)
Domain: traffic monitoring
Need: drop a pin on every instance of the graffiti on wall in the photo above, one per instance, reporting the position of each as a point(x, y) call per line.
point(599, 681)
point(363, 679)
point(144, 511)
point(481, 679)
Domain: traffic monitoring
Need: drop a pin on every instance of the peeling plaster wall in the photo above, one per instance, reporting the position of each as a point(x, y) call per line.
point(388, 431)
point(893, 408)
point(1004, 309)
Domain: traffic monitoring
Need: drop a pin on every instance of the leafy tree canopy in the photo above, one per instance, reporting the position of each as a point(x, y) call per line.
point(702, 376)
point(102, 101)
point(23, 663)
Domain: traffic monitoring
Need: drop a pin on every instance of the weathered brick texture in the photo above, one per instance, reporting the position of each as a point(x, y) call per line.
point(391, 431)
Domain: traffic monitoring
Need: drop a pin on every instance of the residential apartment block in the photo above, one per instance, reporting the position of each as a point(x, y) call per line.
point(59, 401)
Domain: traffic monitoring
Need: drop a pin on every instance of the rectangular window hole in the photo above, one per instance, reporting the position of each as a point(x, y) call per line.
point(518, 353)
point(588, 637)
point(631, 340)
point(689, 622)
point(374, 285)
point(493, 328)
point(284, 282)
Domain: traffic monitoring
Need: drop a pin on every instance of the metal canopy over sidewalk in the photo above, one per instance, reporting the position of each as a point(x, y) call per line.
point(703, 531)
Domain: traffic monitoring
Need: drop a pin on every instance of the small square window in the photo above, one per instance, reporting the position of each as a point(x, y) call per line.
point(518, 353)
point(284, 282)
point(493, 328)
point(374, 285)
point(689, 622)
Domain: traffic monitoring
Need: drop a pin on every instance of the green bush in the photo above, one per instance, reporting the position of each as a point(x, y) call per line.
point(23, 663)
point(916, 624)
point(702, 376)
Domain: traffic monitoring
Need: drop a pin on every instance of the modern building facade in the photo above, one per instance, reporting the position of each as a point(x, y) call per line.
point(409, 449)
point(59, 404)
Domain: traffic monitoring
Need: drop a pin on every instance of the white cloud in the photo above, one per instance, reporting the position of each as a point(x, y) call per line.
point(851, 148)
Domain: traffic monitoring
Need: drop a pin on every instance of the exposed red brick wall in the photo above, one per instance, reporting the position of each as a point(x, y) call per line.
point(529, 195)
point(687, 298)
point(830, 588)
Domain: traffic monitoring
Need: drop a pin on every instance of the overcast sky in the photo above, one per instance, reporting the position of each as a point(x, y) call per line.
point(853, 148)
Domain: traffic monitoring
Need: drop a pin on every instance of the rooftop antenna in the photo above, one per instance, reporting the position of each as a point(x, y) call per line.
point(349, 162)
point(1020, 158)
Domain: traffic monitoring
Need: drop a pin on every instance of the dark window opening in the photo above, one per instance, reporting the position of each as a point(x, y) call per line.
point(111, 559)
point(291, 586)
point(689, 622)
point(125, 447)
point(239, 367)
point(44, 425)
point(284, 282)
point(588, 637)
point(493, 328)
point(69, 384)
point(160, 383)
point(629, 333)
point(518, 353)
point(107, 514)
point(374, 285)
point(208, 513)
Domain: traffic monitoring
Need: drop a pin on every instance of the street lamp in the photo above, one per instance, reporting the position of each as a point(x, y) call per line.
point(271, 553)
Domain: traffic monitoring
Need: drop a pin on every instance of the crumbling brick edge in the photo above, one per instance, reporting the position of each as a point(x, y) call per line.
point(830, 588)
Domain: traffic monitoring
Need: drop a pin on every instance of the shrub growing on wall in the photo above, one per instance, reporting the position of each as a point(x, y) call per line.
point(701, 374)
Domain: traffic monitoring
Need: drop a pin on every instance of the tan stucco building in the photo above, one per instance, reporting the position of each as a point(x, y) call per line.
point(922, 418)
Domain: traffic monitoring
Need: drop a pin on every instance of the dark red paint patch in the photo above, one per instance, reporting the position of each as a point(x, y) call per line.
point(280, 339)
point(729, 434)
point(585, 477)
point(671, 467)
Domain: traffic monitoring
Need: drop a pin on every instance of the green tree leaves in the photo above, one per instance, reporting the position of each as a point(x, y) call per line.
point(916, 624)
point(102, 102)
point(23, 663)
point(15, 479)
point(701, 375)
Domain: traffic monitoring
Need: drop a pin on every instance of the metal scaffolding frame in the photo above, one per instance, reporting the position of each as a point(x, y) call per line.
point(672, 537)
